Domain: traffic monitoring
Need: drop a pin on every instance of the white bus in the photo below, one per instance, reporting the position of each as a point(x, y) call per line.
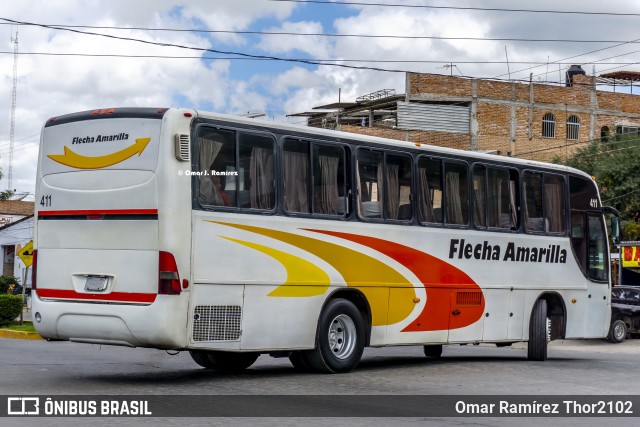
point(230, 238)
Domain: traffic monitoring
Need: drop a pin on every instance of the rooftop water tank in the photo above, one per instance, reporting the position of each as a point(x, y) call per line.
point(572, 71)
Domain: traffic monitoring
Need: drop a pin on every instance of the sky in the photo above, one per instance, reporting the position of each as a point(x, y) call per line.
point(64, 69)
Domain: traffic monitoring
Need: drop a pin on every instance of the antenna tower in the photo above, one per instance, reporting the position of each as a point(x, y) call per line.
point(14, 90)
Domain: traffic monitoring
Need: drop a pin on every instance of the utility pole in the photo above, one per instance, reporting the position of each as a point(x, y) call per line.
point(14, 90)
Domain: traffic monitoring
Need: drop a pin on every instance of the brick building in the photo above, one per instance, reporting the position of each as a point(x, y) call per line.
point(529, 120)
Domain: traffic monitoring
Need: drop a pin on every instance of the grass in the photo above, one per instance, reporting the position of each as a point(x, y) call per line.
point(26, 327)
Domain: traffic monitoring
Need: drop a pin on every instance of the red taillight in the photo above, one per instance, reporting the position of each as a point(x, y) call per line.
point(168, 277)
point(34, 266)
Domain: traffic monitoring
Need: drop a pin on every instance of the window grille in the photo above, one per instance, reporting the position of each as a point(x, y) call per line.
point(549, 126)
point(573, 128)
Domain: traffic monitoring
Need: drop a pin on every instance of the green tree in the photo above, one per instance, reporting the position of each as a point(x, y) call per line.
point(615, 164)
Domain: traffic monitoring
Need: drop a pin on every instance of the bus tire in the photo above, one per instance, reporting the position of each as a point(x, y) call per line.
point(617, 331)
point(433, 350)
point(340, 338)
point(223, 361)
point(538, 332)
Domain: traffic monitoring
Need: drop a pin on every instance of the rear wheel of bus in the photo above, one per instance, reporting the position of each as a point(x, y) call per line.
point(223, 361)
point(538, 332)
point(340, 338)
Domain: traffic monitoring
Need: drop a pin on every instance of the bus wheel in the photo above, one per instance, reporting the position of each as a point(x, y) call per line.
point(433, 350)
point(223, 361)
point(617, 332)
point(341, 335)
point(538, 332)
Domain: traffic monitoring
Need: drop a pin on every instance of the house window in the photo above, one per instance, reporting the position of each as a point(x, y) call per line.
point(573, 128)
point(549, 126)
point(626, 130)
point(604, 134)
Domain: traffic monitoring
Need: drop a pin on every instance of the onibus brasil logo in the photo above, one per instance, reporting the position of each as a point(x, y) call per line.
point(72, 159)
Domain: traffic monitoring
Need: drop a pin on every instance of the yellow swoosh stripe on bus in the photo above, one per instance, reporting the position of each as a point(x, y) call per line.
point(372, 277)
point(304, 279)
point(78, 161)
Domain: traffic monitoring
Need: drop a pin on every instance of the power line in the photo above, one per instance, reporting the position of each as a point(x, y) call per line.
point(575, 56)
point(332, 35)
point(484, 9)
point(201, 49)
point(261, 57)
point(326, 61)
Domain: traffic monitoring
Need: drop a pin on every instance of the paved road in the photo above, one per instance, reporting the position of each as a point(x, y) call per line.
point(574, 368)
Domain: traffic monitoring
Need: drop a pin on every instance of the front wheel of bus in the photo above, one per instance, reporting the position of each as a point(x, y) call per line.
point(538, 332)
point(223, 361)
point(341, 335)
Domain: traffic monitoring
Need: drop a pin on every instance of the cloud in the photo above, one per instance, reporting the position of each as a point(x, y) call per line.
point(317, 47)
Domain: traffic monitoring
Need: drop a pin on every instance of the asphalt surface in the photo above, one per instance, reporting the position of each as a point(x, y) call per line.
point(574, 368)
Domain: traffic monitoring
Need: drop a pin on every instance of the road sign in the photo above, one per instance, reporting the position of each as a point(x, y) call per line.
point(26, 254)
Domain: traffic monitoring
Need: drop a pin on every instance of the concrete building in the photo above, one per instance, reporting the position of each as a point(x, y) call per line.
point(531, 120)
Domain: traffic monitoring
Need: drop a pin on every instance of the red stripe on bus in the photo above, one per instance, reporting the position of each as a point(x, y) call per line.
point(113, 296)
point(100, 212)
point(441, 280)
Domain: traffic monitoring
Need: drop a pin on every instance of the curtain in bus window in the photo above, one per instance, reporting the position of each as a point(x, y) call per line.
point(208, 150)
point(261, 174)
point(512, 204)
point(454, 203)
point(327, 192)
point(296, 181)
point(425, 208)
point(479, 196)
point(376, 210)
point(392, 191)
point(554, 204)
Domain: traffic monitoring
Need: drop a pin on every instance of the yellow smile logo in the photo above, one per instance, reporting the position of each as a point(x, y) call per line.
point(78, 161)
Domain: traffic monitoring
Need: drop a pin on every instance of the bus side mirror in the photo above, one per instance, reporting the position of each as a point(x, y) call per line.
point(615, 229)
point(615, 223)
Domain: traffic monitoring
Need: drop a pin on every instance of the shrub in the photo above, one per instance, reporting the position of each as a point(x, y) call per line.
point(7, 281)
point(10, 308)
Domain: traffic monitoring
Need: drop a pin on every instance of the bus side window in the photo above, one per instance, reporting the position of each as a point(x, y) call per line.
point(501, 200)
point(554, 209)
point(370, 182)
point(256, 188)
point(430, 190)
point(598, 264)
point(398, 188)
point(479, 196)
point(329, 183)
point(216, 157)
point(456, 193)
point(532, 191)
point(295, 165)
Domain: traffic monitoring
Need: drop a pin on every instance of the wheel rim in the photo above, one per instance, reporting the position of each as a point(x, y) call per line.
point(618, 331)
point(342, 336)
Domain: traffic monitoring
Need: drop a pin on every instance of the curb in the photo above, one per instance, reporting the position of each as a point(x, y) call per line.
point(19, 335)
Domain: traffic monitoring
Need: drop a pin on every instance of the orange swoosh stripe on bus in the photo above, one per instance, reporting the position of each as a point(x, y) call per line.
point(370, 276)
point(113, 296)
point(304, 279)
point(78, 161)
point(437, 276)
